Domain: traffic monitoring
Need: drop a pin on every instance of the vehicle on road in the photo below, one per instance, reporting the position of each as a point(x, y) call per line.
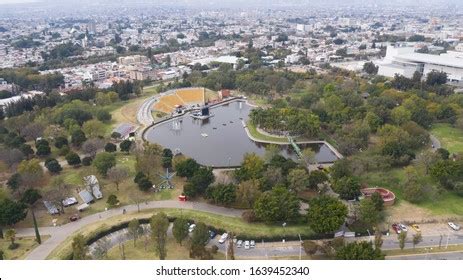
point(253, 244)
point(247, 245)
point(454, 226)
point(396, 228)
point(192, 227)
point(403, 227)
point(223, 238)
point(74, 217)
point(416, 227)
point(239, 243)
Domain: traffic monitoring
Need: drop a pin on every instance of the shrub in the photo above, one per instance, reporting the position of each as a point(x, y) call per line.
point(249, 216)
point(110, 147)
point(87, 161)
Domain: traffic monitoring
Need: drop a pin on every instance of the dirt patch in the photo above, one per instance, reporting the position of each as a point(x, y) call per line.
point(408, 213)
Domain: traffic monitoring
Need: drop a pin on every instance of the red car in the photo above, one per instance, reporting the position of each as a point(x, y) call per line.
point(74, 217)
point(396, 228)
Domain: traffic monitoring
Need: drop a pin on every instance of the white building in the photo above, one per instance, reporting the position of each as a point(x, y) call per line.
point(405, 61)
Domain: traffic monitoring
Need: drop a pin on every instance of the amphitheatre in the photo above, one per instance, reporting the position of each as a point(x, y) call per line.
point(170, 100)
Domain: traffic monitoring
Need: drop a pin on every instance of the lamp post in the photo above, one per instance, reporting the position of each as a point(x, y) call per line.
point(284, 232)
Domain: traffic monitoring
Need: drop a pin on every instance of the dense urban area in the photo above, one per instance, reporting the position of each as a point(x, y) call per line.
point(180, 131)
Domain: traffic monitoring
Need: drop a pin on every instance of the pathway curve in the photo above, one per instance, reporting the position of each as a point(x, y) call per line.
point(59, 234)
point(435, 142)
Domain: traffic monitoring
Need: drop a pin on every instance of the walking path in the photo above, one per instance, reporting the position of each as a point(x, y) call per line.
point(435, 142)
point(59, 234)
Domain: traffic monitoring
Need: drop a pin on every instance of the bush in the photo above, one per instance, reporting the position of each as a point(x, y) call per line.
point(249, 216)
point(144, 184)
point(103, 116)
point(110, 147)
point(61, 141)
point(310, 247)
point(73, 159)
point(87, 161)
point(116, 135)
point(112, 200)
point(13, 246)
point(53, 165)
point(125, 146)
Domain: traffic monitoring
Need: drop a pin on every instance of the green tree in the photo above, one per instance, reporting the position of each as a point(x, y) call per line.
point(112, 200)
point(402, 237)
point(252, 167)
point(78, 138)
point(110, 148)
point(159, 225)
point(11, 212)
point(125, 146)
point(326, 214)
point(298, 180)
point(359, 251)
point(180, 229)
point(316, 178)
point(187, 168)
point(378, 201)
point(134, 230)
point(53, 166)
point(278, 204)
point(10, 234)
point(368, 213)
point(79, 248)
point(103, 162)
point(378, 239)
point(94, 128)
point(199, 239)
point(224, 194)
point(347, 187)
point(248, 192)
point(417, 238)
point(73, 159)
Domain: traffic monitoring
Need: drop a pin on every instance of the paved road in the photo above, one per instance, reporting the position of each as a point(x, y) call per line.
point(144, 115)
point(60, 233)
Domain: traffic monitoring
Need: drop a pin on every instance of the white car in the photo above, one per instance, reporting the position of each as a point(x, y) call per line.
point(403, 227)
point(454, 226)
point(253, 244)
point(239, 243)
point(223, 238)
point(247, 246)
point(192, 227)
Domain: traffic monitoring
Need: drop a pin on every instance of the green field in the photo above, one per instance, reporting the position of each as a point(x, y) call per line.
point(26, 244)
point(445, 203)
point(451, 138)
point(174, 251)
point(237, 225)
point(256, 134)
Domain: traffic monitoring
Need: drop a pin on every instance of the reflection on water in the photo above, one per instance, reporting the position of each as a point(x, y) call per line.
point(221, 140)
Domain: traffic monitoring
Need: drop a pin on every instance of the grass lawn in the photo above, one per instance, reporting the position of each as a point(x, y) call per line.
point(446, 203)
point(174, 251)
point(451, 138)
point(237, 225)
point(26, 244)
point(423, 250)
point(256, 134)
point(128, 191)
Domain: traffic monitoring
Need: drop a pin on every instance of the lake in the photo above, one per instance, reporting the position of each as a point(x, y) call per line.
point(226, 142)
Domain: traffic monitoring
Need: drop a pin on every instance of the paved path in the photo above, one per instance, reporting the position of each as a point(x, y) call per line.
point(435, 142)
point(60, 233)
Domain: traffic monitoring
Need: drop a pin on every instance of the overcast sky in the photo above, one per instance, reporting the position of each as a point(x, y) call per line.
point(253, 2)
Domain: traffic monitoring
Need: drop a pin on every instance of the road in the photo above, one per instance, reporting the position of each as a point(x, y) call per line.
point(60, 233)
point(144, 115)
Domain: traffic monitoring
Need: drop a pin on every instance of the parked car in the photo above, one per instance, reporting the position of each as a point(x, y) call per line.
point(212, 234)
point(239, 243)
point(192, 227)
point(223, 238)
point(454, 226)
point(396, 228)
point(416, 227)
point(74, 217)
point(253, 244)
point(247, 245)
point(403, 227)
